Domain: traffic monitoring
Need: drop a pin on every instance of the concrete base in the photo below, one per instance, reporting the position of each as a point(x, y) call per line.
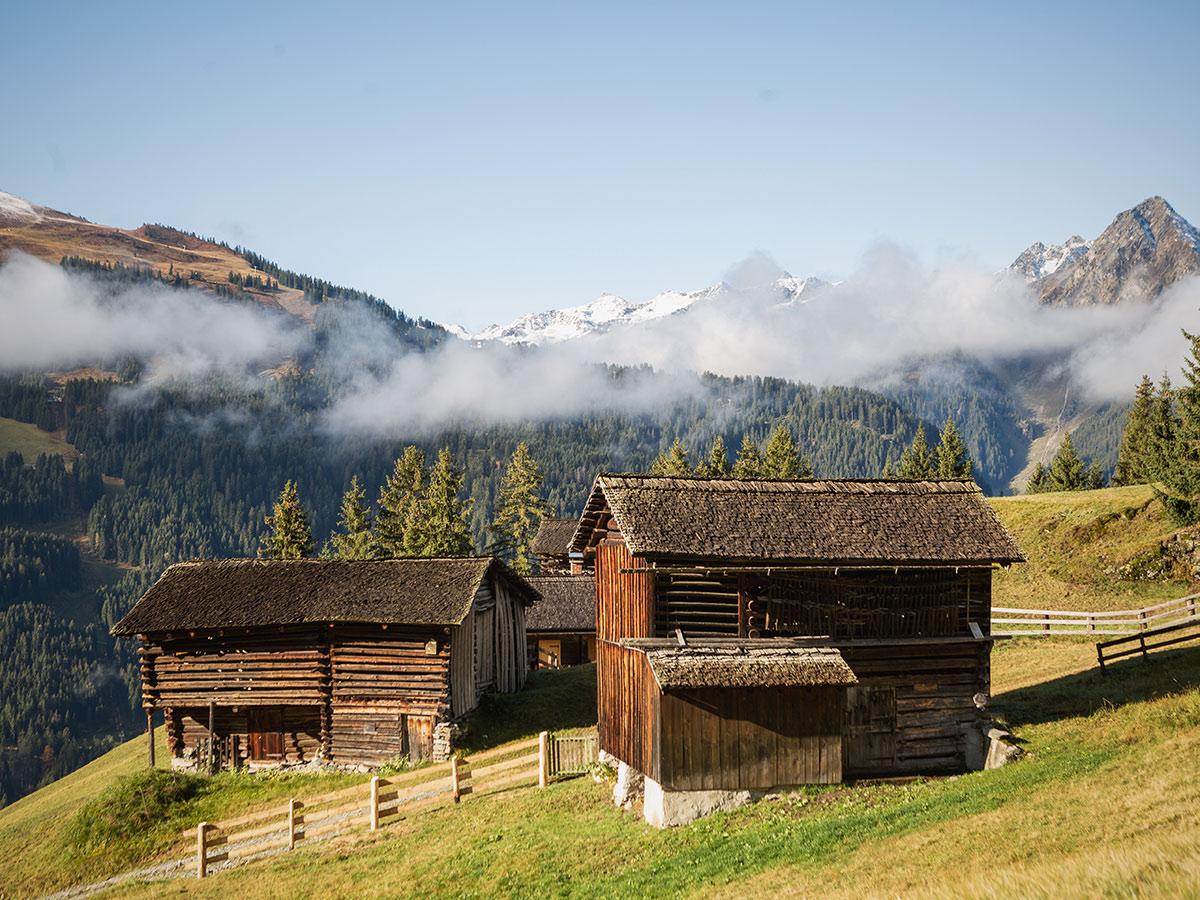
point(1001, 749)
point(666, 808)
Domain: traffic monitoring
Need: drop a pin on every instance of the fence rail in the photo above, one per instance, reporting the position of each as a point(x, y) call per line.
point(536, 760)
point(1043, 622)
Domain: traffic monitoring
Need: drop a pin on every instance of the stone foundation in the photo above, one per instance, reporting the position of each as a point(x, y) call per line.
point(665, 808)
point(445, 734)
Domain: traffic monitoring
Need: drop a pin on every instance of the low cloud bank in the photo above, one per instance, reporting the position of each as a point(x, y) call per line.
point(890, 312)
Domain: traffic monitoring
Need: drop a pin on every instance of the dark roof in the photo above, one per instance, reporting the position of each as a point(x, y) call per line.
point(866, 522)
point(554, 537)
point(568, 603)
point(260, 592)
point(678, 668)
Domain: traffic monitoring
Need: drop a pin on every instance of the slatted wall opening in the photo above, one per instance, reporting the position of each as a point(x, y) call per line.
point(881, 604)
point(697, 604)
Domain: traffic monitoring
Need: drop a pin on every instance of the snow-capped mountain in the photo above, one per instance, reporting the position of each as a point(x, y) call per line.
point(1039, 260)
point(1143, 252)
point(609, 310)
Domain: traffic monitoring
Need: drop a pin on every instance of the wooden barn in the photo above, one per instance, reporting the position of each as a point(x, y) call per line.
point(552, 546)
point(354, 662)
point(756, 634)
point(562, 625)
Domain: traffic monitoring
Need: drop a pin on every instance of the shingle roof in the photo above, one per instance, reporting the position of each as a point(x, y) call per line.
point(568, 603)
point(259, 592)
point(554, 537)
point(866, 522)
point(735, 667)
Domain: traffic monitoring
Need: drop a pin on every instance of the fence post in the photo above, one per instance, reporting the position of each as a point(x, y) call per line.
point(1046, 623)
point(374, 802)
point(543, 759)
point(1100, 657)
point(1141, 620)
point(1142, 641)
point(1091, 623)
point(454, 776)
point(202, 850)
point(150, 733)
point(292, 824)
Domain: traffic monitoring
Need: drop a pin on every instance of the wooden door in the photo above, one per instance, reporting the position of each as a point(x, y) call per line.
point(869, 729)
point(420, 737)
point(265, 737)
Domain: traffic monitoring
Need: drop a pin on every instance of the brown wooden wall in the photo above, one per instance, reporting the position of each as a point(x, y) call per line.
point(750, 738)
point(299, 730)
point(273, 667)
point(931, 688)
point(625, 687)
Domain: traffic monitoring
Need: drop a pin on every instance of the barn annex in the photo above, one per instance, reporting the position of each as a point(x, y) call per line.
point(562, 625)
point(758, 634)
point(354, 662)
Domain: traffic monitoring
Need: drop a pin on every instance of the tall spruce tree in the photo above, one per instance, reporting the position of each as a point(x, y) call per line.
point(916, 461)
point(398, 500)
point(356, 540)
point(749, 463)
point(1180, 453)
point(1067, 470)
point(1135, 459)
point(673, 461)
point(717, 464)
point(439, 526)
point(290, 537)
point(781, 459)
point(519, 511)
point(951, 458)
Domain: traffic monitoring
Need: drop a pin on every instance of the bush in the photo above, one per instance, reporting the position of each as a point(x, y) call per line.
point(128, 819)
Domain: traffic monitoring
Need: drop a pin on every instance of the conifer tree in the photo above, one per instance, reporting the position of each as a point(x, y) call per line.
point(916, 461)
point(781, 459)
point(438, 526)
point(673, 461)
point(749, 463)
point(1179, 454)
point(951, 458)
point(519, 511)
point(290, 536)
point(1067, 470)
point(717, 465)
point(357, 537)
point(1038, 480)
point(397, 502)
point(1134, 459)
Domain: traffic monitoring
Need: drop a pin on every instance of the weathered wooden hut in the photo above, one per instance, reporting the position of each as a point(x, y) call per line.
point(562, 625)
point(354, 662)
point(755, 634)
point(552, 546)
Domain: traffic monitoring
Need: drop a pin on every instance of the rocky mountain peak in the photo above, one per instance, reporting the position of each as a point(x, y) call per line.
point(1144, 251)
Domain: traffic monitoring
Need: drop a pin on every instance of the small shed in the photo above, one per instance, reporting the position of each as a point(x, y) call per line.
point(741, 623)
point(562, 625)
point(355, 662)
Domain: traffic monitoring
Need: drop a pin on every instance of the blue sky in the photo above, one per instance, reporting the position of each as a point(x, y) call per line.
point(472, 162)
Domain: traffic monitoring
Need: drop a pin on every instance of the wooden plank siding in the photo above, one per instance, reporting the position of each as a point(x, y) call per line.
point(933, 688)
point(299, 733)
point(746, 739)
point(625, 687)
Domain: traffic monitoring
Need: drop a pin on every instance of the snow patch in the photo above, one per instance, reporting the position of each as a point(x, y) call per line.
point(1040, 261)
point(13, 207)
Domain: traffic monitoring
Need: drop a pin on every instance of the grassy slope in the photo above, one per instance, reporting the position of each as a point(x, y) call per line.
point(29, 441)
point(1075, 543)
point(1104, 804)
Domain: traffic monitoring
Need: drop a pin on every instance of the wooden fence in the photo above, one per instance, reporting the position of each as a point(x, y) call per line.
point(1043, 622)
point(534, 761)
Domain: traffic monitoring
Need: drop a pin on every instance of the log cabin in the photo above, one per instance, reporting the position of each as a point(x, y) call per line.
point(552, 546)
point(758, 634)
point(562, 625)
point(351, 662)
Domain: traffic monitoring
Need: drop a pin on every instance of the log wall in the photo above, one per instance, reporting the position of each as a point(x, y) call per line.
point(187, 734)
